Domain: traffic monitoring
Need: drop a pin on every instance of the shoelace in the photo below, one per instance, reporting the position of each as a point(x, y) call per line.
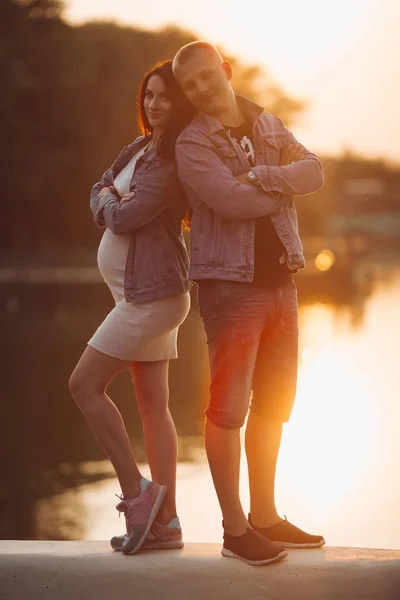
point(123, 506)
point(119, 505)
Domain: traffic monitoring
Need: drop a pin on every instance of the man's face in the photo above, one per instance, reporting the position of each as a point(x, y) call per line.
point(204, 80)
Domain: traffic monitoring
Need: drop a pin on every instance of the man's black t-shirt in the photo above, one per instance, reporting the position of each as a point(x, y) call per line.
point(268, 248)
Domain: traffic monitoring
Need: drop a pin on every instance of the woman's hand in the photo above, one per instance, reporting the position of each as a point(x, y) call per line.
point(104, 191)
point(126, 198)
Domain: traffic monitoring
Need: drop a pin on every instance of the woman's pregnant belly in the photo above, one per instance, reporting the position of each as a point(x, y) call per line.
point(111, 259)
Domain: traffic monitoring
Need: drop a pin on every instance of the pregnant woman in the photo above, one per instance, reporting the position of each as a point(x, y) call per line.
point(143, 259)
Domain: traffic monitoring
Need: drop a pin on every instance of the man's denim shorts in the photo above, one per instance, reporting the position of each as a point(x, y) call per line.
point(252, 337)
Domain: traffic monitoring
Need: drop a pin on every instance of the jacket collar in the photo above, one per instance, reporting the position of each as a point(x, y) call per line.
point(139, 143)
point(248, 107)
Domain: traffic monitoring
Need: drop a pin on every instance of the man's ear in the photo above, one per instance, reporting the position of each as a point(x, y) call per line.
point(228, 69)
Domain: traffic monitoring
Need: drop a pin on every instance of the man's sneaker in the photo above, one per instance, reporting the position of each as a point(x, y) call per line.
point(160, 537)
point(289, 536)
point(252, 548)
point(140, 513)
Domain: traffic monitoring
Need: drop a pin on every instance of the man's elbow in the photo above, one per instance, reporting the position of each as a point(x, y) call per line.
point(314, 180)
point(319, 176)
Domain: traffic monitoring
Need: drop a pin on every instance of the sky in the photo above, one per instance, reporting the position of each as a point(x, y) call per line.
point(342, 58)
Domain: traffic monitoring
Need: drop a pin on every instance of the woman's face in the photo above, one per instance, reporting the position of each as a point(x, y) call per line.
point(156, 103)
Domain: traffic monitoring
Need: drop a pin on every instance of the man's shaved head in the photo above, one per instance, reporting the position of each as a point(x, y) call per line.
point(187, 52)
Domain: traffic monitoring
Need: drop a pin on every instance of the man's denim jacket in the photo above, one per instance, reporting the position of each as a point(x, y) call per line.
point(157, 262)
point(224, 211)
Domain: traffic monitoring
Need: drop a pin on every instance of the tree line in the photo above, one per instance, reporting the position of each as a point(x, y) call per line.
point(68, 106)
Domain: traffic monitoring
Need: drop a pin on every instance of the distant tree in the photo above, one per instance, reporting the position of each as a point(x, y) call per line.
point(69, 108)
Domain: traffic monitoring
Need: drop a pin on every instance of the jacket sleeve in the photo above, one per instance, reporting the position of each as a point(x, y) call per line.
point(157, 189)
point(205, 178)
point(96, 204)
point(299, 178)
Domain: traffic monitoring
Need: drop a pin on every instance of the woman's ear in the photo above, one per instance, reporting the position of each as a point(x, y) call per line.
point(228, 69)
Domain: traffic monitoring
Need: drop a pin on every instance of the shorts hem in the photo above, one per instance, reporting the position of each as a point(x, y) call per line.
point(137, 358)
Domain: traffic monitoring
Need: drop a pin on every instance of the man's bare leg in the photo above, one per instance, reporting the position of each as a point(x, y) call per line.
point(223, 453)
point(263, 439)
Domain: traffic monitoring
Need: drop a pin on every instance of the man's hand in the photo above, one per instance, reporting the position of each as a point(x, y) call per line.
point(242, 178)
point(291, 153)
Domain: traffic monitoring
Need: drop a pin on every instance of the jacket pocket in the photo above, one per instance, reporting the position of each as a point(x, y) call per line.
point(273, 143)
point(163, 261)
point(227, 153)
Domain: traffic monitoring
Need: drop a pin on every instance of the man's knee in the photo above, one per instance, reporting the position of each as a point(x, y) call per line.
point(272, 414)
point(226, 419)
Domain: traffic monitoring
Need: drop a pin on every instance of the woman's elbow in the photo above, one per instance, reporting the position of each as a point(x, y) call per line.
point(116, 225)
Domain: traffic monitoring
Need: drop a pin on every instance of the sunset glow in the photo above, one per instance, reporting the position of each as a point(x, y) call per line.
point(341, 58)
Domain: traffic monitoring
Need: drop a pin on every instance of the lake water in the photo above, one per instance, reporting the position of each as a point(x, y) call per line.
point(338, 470)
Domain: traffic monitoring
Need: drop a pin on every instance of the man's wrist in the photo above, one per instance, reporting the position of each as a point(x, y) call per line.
point(252, 178)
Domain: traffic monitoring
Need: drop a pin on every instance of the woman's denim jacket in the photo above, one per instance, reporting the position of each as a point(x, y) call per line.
point(157, 262)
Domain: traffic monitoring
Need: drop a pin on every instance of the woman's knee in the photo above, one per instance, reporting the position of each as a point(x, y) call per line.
point(151, 388)
point(75, 384)
point(151, 405)
point(80, 386)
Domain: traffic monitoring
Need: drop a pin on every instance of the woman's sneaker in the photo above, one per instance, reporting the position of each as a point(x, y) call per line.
point(288, 535)
point(160, 537)
point(140, 513)
point(252, 548)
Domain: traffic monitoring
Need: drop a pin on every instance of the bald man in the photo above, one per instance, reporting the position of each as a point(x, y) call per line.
point(241, 168)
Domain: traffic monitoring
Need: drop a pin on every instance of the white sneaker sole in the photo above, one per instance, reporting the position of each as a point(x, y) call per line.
point(300, 546)
point(229, 554)
point(172, 545)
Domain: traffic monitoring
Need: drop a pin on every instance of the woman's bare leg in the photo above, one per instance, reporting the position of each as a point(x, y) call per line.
point(88, 384)
point(150, 380)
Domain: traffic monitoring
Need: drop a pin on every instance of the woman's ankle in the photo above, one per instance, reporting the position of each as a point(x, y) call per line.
point(132, 490)
point(166, 514)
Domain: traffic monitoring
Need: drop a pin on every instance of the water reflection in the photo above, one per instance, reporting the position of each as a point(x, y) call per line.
point(340, 455)
point(339, 464)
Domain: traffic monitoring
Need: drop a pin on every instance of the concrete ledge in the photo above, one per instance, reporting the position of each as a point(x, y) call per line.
point(84, 570)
